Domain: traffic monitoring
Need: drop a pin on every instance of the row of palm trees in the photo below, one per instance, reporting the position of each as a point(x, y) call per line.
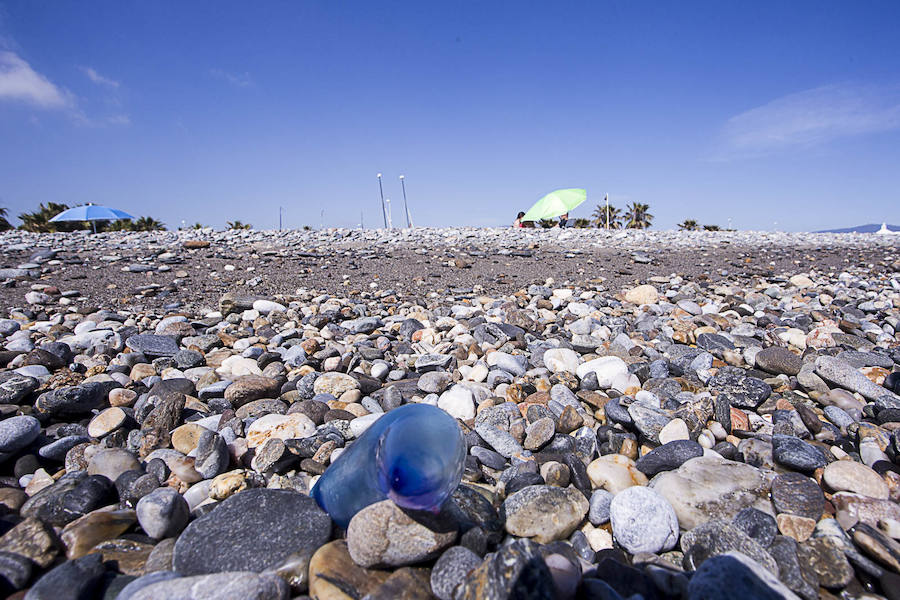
point(693, 225)
point(39, 221)
point(636, 216)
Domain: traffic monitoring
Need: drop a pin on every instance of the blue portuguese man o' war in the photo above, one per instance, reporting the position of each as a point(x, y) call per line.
point(414, 455)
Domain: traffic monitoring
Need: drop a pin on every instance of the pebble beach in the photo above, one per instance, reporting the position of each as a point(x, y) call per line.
point(652, 414)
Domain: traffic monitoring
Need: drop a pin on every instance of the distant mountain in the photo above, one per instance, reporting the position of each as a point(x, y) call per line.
point(871, 228)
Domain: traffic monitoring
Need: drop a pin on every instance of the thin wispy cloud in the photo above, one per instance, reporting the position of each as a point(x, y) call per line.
point(235, 79)
point(99, 79)
point(810, 118)
point(22, 84)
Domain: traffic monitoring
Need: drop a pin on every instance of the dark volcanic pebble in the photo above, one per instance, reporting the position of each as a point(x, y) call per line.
point(668, 456)
point(251, 531)
point(797, 494)
point(796, 454)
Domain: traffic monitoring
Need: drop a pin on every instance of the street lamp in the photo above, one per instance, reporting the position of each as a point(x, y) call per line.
point(381, 192)
point(405, 205)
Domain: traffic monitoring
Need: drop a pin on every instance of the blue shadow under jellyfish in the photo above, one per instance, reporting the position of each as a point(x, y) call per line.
point(414, 455)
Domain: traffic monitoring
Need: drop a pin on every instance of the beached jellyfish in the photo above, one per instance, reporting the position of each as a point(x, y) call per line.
point(413, 455)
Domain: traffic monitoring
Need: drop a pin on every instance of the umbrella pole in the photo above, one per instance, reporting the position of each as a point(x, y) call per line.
point(94, 225)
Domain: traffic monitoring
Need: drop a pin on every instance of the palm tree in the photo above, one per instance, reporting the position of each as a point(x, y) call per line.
point(711, 228)
point(197, 225)
point(689, 225)
point(121, 225)
point(4, 224)
point(148, 224)
point(615, 216)
point(582, 223)
point(238, 225)
point(39, 220)
point(638, 216)
point(547, 223)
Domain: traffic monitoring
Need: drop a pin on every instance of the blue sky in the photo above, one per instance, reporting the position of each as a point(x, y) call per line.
point(757, 112)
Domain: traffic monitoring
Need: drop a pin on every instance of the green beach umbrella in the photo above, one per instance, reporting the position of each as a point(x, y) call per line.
point(555, 204)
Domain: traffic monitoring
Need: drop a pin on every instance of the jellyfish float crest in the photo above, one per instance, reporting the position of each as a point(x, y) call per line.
point(414, 455)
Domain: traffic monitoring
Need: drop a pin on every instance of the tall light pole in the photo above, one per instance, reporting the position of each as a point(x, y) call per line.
point(381, 191)
point(280, 210)
point(607, 211)
point(390, 221)
point(405, 205)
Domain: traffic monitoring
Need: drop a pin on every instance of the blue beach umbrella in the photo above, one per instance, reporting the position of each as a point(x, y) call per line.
point(91, 212)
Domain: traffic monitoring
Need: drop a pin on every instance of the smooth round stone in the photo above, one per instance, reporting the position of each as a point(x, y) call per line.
point(18, 432)
point(248, 388)
point(559, 360)
point(15, 387)
point(240, 584)
point(718, 537)
point(359, 425)
point(106, 422)
point(514, 365)
point(676, 429)
point(162, 513)
point(489, 458)
point(642, 294)
point(544, 513)
point(383, 534)
point(796, 494)
point(71, 579)
point(838, 416)
point(709, 487)
point(643, 521)
point(16, 570)
point(267, 306)
point(778, 360)
point(757, 525)
point(614, 473)
point(72, 401)
point(458, 402)
point(434, 382)
point(539, 433)
point(122, 397)
point(185, 437)
point(284, 427)
point(796, 454)
point(734, 575)
point(451, 569)
point(598, 513)
point(57, 450)
point(131, 589)
point(668, 456)
point(334, 384)
point(253, 530)
point(850, 476)
point(112, 462)
point(606, 368)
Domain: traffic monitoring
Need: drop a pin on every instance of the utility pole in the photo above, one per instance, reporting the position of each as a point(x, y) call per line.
point(381, 191)
point(405, 205)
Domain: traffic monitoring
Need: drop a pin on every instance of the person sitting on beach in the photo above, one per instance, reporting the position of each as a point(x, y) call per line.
point(563, 219)
point(518, 222)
